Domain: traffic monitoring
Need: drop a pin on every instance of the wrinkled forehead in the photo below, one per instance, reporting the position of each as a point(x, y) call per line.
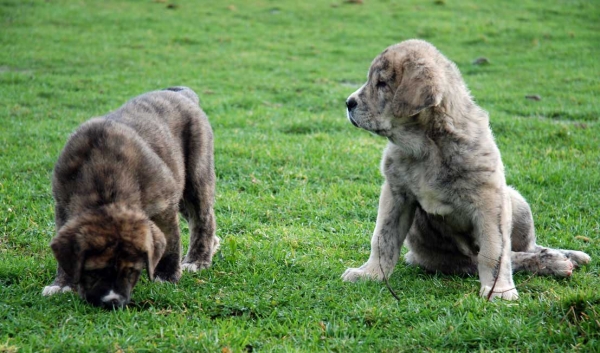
point(114, 257)
point(385, 65)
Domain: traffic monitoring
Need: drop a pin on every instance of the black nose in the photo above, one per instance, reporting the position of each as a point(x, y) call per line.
point(351, 103)
point(113, 304)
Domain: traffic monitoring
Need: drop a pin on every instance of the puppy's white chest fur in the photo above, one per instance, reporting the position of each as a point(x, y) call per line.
point(431, 200)
point(433, 205)
point(417, 179)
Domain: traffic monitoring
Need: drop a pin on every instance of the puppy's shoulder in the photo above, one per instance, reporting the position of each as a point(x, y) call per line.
point(88, 133)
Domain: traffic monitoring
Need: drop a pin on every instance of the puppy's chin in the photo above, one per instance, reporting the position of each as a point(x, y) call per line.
point(375, 129)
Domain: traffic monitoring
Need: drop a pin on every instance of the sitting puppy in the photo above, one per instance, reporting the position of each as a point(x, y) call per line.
point(445, 194)
point(119, 184)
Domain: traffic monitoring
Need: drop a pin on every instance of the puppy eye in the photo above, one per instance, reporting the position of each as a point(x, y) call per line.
point(131, 274)
point(381, 84)
point(91, 278)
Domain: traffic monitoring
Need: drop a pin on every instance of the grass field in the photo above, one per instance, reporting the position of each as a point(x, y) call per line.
point(297, 184)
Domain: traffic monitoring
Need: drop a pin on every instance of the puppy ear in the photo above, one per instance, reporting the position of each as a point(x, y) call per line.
point(155, 247)
point(68, 251)
point(420, 88)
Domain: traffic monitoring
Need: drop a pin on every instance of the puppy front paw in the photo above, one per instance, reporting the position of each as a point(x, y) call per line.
point(172, 276)
point(363, 272)
point(53, 289)
point(502, 293)
point(161, 277)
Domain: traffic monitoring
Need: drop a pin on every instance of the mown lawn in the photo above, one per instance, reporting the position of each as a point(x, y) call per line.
point(297, 184)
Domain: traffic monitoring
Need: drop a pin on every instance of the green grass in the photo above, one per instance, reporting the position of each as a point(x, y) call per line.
point(297, 184)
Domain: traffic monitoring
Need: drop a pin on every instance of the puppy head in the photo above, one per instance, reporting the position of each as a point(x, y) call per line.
point(104, 252)
point(403, 80)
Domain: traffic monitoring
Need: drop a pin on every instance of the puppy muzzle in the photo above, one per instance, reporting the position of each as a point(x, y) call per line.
point(114, 300)
point(352, 120)
point(351, 103)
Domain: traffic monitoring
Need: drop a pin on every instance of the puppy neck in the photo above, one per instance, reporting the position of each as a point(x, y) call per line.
point(462, 123)
point(457, 114)
point(409, 137)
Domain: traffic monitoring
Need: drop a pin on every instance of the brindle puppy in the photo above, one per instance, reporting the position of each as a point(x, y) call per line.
point(445, 194)
point(119, 185)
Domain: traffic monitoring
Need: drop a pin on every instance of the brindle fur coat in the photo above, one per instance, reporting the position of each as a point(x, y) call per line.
point(445, 194)
point(119, 185)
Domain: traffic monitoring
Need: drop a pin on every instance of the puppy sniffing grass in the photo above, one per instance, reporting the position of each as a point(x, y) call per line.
point(445, 194)
point(119, 185)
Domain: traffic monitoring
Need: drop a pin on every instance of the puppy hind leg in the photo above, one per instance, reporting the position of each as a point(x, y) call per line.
point(168, 268)
point(198, 198)
point(523, 230)
point(559, 262)
point(530, 257)
point(203, 241)
point(543, 261)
